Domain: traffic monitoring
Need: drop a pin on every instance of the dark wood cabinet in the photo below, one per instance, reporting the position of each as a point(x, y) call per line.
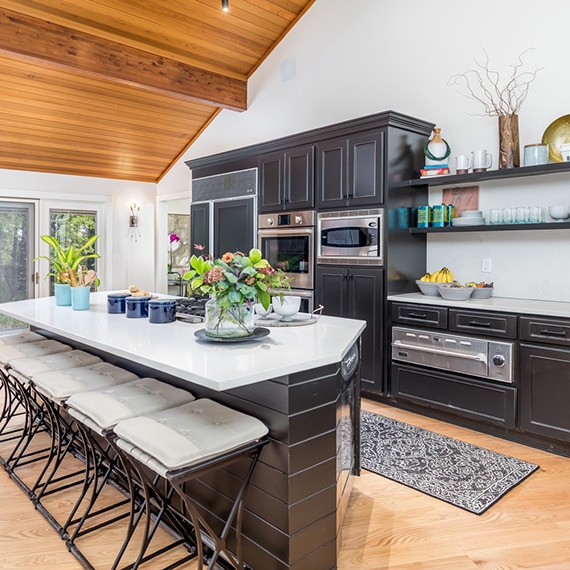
point(287, 180)
point(350, 171)
point(357, 293)
point(545, 377)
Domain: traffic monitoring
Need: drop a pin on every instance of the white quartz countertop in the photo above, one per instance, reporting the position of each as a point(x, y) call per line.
point(502, 304)
point(174, 349)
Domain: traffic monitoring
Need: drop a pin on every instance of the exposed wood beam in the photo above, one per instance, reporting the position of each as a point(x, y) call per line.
point(58, 46)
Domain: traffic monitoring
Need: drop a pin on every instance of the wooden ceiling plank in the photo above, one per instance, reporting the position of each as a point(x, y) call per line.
point(55, 45)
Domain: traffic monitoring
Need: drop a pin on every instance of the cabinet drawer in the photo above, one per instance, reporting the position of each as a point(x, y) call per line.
point(491, 324)
point(467, 398)
point(424, 315)
point(545, 331)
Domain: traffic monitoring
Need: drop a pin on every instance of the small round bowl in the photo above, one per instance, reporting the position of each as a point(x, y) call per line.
point(472, 214)
point(482, 292)
point(559, 213)
point(455, 293)
point(286, 306)
point(428, 288)
point(259, 310)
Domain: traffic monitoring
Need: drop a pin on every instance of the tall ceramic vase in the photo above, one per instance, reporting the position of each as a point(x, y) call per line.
point(62, 293)
point(509, 146)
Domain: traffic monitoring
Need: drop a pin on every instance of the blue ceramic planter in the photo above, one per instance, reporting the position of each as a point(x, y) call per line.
point(62, 294)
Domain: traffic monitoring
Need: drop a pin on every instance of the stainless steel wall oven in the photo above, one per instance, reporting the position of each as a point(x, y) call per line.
point(286, 240)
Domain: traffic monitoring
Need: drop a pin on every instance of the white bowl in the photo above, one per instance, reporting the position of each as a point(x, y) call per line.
point(428, 288)
point(559, 212)
point(259, 310)
point(471, 214)
point(481, 292)
point(454, 293)
point(286, 306)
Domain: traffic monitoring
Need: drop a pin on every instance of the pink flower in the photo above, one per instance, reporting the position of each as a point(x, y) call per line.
point(173, 237)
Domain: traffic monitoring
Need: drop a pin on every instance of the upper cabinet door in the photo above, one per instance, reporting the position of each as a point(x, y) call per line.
point(332, 178)
point(300, 178)
point(365, 169)
point(350, 171)
point(287, 180)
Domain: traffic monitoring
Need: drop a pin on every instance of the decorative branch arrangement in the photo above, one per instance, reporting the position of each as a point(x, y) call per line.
point(484, 85)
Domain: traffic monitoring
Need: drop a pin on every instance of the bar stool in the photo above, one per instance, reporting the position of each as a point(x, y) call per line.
point(21, 399)
point(97, 412)
point(56, 387)
point(62, 436)
point(10, 408)
point(184, 443)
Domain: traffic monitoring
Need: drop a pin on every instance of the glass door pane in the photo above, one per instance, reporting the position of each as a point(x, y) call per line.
point(74, 228)
point(17, 241)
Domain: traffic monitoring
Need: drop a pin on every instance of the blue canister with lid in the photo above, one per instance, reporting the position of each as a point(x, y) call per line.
point(137, 307)
point(162, 311)
point(116, 302)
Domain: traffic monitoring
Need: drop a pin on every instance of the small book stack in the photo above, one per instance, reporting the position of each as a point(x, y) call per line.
point(435, 170)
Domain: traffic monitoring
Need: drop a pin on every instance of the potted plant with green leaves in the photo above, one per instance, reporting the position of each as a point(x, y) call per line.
point(65, 267)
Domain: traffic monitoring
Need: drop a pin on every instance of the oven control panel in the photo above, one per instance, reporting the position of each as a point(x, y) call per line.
point(286, 220)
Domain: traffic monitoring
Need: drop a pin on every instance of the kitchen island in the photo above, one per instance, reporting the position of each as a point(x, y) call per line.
point(294, 380)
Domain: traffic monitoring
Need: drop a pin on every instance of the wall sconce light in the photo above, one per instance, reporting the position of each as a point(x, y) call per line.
point(225, 5)
point(134, 231)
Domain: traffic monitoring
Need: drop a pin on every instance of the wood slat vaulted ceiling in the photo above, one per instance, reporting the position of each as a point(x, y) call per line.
point(121, 88)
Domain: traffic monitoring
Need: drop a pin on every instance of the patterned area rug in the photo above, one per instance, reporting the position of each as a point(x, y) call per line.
point(462, 474)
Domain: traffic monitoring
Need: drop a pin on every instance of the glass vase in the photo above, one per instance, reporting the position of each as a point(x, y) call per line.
point(235, 322)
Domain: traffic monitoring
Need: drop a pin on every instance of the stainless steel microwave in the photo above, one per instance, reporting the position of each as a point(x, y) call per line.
point(350, 237)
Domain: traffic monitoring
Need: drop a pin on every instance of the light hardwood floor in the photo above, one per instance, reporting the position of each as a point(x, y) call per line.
point(387, 525)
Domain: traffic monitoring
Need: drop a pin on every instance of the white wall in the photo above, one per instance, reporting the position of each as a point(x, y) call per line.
point(367, 56)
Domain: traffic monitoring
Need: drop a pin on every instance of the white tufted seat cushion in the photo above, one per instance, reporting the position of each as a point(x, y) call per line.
point(109, 406)
point(60, 385)
point(179, 437)
point(29, 366)
point(33, 349)
point(20, 338)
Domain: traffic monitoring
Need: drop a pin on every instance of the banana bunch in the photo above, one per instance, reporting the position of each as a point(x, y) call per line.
point(444, 275)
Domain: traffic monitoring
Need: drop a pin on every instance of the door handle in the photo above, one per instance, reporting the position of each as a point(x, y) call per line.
point(480, 357)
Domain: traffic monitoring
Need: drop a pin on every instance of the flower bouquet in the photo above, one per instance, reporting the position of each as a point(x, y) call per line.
point(235, 282)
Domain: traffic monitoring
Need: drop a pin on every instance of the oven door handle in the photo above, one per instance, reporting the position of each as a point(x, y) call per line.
point(480, 357)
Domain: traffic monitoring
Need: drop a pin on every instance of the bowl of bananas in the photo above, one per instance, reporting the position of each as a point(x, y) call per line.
point(428, 283)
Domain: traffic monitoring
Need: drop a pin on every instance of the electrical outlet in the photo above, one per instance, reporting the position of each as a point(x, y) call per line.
point(486, 264)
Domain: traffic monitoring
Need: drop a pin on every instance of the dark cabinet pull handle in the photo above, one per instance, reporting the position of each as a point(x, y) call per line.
point(479, 324)
point(547, 332)
point(417, 315)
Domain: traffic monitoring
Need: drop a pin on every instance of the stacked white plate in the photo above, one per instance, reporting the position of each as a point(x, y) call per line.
point(469, 218)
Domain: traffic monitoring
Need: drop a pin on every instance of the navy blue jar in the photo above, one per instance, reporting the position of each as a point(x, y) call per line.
point(116, 302)
point(137, 307)
point(162, 311)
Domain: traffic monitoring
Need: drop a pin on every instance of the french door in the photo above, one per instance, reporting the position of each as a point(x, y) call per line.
point(17, 250)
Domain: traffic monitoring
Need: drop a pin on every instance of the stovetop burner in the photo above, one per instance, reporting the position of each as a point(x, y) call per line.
point(192, 309)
